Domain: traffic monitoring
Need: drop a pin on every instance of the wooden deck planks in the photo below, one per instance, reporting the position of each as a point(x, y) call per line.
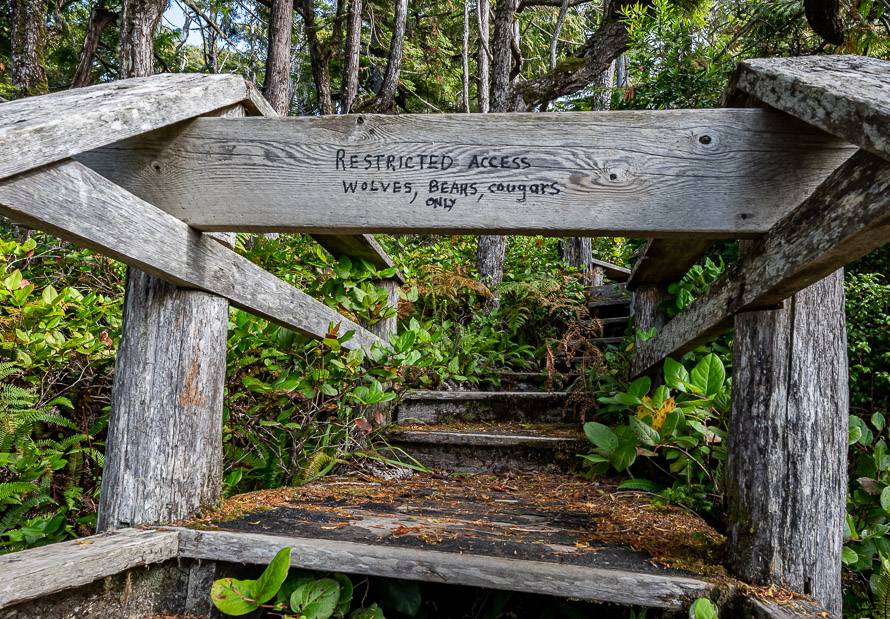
point(72, 201)
point(30, 574)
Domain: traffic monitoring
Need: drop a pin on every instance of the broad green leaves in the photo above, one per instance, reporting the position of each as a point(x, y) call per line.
point(708, 375)
point(703, 608)
point(316, 599)
point(239, 597)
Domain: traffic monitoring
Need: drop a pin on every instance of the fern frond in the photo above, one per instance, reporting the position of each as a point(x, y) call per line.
point(882, 590)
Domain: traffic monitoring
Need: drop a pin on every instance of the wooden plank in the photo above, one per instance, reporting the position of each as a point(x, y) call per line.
point(612, 271)
point(848, 96)
point(845, 218)
point(618, 586)
point(665, 261)
point(73, 202)
point(363, 246)
point(705, 173)
point(33, 573)
point(41, 130)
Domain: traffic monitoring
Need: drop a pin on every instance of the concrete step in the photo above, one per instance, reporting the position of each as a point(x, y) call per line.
point(479, 448)
point(526, 382)
point(481, 406)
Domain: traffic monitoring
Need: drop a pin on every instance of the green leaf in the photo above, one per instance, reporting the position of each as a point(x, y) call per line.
point(644, 485)
point(640, 386)
point(316, 599)
point(601, 436)
point(703, 608)
point(849, 556)
point(269, 582)
point(878, 421)
point(885, 499)
point(402, 596)
point(709, 374)
point(675, 375)
point(624, 457)
point(345, 600)
point(372, 612)
point(233, 597)
point(646, 433)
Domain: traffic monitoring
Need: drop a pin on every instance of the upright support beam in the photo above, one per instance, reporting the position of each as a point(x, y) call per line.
point(646, 309)
point(388, 326)
point(786, 467)
point(164, 450)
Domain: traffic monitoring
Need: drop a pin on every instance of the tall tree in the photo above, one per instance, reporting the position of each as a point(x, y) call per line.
point(278, 58)
point(139, 25)
point(385, 97)
point(491, 249)
point(319, 57)
point(351, 54)
point(482, 8)
point(28, 46)
point(100, 19)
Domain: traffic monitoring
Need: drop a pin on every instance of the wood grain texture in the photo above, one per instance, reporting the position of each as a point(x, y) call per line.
point(848, 96)
point(75, 203)
point(845, 218)
point(709, 173)
point(622, 587)
point(39, 130)
point(786, 465)
point(37, 572)
point(612, 271)
point(665, 261)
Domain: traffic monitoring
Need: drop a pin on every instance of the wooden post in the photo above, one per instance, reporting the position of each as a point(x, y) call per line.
point(646, 311)
point(163, 458)
point(786, 467)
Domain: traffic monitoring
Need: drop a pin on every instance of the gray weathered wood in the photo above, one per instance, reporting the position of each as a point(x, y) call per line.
point(40, 130)
point(848, 96)
point(646, 308)
point(619, 586)
point(707, 173)
point(846, 217)
point(665, 261)
point(612, 271)
point(387, 327)
point(42, 571)
point(75, 203)
point(786, 465)
point(362, 246)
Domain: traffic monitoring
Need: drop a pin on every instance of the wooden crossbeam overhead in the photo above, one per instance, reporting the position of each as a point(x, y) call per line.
point(612, 271)
point(704, 173)
point(845, 218)
point(39, 130)
point(665, 261)
point(75, 203)
point(848, 96)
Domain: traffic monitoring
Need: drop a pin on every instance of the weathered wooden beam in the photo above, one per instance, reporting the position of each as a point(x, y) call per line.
point(37, 572)
point(848, 96)
point(665, 261)
point(786, 462)
point(618, 586)
point(39, 130)
point(705, 173)
point(73, 202)
point(845, 218)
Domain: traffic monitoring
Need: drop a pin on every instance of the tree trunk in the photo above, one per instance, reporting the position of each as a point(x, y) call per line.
point(100, 19)
point(139, 24)
point(28, 46)
point(465, 58)
point(384, 100)
point(786, 466)
point(318, 57)
point(164, 447)
point(490, 251)
point(502, 56)
point(163, 454)
point(484, 59)
point(278, 64)
point(351, 55)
